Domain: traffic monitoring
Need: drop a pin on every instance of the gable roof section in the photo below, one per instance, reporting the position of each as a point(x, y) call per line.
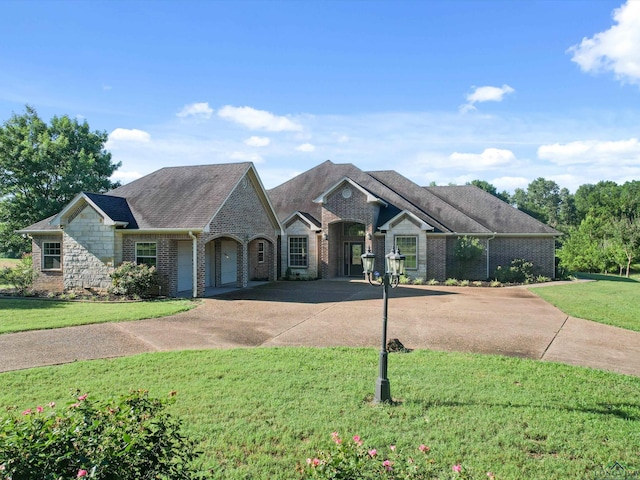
point(449, 218)
point(490, 211)
point(181, 197)
point(370, 197)
point(299, 193)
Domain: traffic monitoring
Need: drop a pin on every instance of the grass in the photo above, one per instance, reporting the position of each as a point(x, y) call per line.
point(18, 315)
point(611, 300)
point(258, 413)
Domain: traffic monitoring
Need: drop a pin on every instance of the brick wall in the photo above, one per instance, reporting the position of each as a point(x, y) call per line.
point(48, 280)
point(167, 256)
point(539, 251)
point(436, 258)
point(337, 209)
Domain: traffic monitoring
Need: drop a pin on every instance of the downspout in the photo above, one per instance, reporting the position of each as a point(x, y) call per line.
point(194, 264)
point(488, 240)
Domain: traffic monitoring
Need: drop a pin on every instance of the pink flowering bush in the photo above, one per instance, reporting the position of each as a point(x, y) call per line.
point(354, 460)
point(130, 438)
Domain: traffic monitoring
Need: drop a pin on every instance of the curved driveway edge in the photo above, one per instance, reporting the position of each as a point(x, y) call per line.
point(506, 321)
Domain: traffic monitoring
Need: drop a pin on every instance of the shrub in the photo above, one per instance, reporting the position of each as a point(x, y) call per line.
point(405, 280)
point(467, 252)
point(477, 283)
point(21, 276)
point(433, 281)
point(418, 281)
point(132, 438)
point(353, 460)
point(132, 279)
point(495, 283)
point(520, 271)
point(451, 282)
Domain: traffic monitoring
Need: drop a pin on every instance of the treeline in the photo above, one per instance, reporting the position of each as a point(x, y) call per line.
point(600, 223)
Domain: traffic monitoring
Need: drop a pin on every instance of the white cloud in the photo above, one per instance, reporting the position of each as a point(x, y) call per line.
point(485, 94)
point(258, 119)
point(246, 157)
point(489, 158)
point(617, 49)
point(201, 110)
point(127, 135)
point(257, 141)
point(306, 147)
point(125, 177)
point(510, 183)
point(592, 152)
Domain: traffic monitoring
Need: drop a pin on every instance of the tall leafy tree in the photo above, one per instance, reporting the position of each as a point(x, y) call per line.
point(43, 166)
point(490, 188)
point(541, 200)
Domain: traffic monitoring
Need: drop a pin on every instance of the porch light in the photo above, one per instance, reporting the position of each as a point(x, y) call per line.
point(391, 278)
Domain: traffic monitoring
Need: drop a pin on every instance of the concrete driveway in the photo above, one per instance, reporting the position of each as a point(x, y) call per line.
point(506, 321)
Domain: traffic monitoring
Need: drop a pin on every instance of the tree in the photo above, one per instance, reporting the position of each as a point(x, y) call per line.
point(42, 167)
point(489, 188)
point(625, 234)
point(583, 250)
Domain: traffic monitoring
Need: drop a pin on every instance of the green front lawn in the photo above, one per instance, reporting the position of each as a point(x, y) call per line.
point(260, 412)
point(609, 299)
point(35, 314)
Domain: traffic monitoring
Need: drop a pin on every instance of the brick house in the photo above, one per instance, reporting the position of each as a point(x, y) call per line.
point(213, 225)
point(200, 226)
point(332, 213)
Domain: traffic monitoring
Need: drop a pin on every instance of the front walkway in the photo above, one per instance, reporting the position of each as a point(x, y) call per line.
point(505, 321)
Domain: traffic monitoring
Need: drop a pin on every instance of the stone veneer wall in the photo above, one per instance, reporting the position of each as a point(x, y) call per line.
point(405, 227)
point(88, 247)
point(48, 280)
point(297, 228)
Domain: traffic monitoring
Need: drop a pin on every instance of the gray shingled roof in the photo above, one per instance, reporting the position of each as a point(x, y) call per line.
point(464, 209)
point(181, 197)
point(298, 193)
point(172, 197)
point(490, 211)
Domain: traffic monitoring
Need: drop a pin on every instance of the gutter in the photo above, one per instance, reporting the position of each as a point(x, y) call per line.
point(194, 266)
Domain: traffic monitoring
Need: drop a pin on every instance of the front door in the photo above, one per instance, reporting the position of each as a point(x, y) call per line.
point(353, 260)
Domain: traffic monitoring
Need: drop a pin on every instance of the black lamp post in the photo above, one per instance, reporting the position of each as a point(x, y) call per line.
point(394, 268)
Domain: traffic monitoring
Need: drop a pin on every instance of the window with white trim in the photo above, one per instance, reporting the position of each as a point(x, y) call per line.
point(298, 252)
point(260, 252)
point(146, 253)
point(51, 252)
point(408, 246)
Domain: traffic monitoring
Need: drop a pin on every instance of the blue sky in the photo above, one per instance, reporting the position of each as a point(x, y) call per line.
point(441, 91)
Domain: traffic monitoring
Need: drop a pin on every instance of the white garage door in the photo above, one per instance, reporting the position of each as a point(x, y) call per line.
point(185, 261)
point(229, 267)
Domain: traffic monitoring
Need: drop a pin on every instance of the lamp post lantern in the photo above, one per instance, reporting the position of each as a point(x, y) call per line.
point(394, 267)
